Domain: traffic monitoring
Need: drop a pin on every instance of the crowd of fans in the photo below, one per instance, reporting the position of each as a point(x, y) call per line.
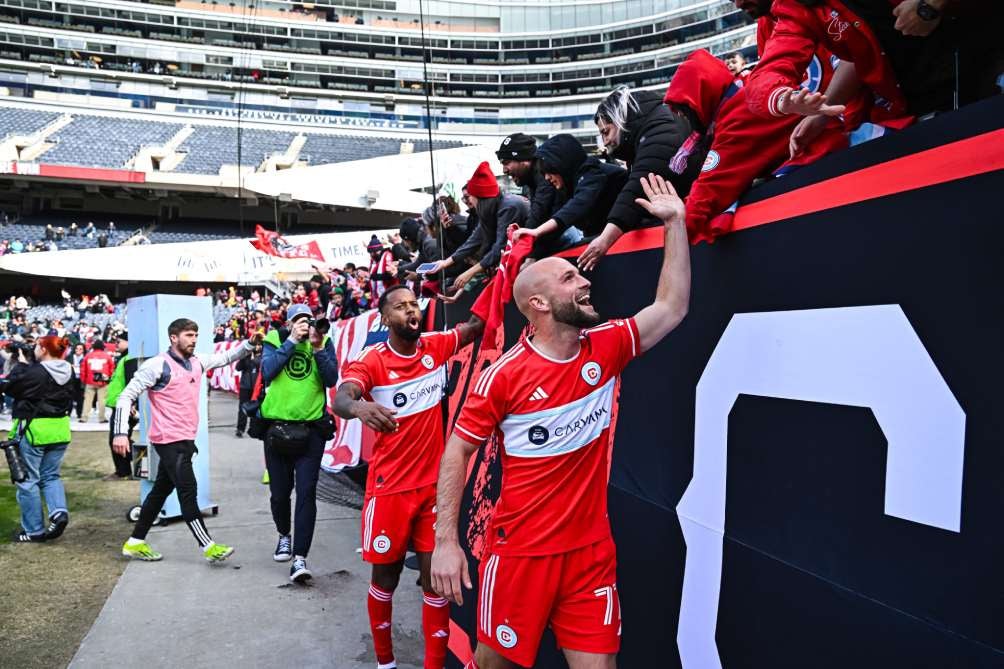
point(829, 72)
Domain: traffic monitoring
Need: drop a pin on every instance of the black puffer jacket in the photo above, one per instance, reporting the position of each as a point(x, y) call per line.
point(41, 389)
point(652, 135)
point(591, 186)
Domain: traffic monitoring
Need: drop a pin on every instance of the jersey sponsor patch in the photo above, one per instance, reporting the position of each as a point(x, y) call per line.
point(413, 396)
point(559, 430)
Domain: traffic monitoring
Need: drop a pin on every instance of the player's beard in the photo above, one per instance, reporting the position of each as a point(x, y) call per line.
point(572, 313)
point(407, 333)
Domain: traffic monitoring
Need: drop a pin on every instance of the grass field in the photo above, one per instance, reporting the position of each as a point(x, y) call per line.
point(50, 593)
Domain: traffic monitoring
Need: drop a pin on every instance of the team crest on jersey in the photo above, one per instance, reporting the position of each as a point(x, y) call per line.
point(506, 636)
point(813, 77)
point(428, 362)
point(381, 544)
point(591, 373)
point(711, 161)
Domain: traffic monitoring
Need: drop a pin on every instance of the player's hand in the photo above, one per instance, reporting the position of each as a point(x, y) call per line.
point(804, 103)
point(661, 200)
point(807, 130)
point(524, 232)
point(908, 21)
point(120, 444)
point(299, 331)
point(449, 572)
point(378, 417)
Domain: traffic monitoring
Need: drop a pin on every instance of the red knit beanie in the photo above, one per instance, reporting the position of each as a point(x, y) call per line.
point(483, 183)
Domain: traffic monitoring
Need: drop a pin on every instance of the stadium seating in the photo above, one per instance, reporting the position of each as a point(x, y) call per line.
point(211, 147)
point(206, 150)
point(14, 121)
point(118, 140)
point(323, 149)
point(35, 232)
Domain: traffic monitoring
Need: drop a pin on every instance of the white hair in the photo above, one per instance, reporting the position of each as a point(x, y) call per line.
point(615, 107)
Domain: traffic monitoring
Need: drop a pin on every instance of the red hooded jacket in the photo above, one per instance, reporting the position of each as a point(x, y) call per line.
point(798, 34)
point(743, 146)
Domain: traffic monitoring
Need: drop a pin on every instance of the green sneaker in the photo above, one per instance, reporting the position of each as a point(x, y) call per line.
point(264, 478)
point(141, 552)
point(218, 552)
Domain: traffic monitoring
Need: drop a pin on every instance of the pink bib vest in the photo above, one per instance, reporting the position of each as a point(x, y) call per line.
point(174, 409)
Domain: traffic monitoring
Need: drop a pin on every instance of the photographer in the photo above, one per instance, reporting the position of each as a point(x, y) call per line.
point(43, 400)
point(297, 368)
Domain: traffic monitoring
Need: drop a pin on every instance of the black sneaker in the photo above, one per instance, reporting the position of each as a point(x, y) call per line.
point(57, 523)
point(299, 573)
point(283, 549)
point(238, 434)
point(22, 537)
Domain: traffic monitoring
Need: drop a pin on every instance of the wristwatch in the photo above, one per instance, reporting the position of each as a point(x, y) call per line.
point(927, 12)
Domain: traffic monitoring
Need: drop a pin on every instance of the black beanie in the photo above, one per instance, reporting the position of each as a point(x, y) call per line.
point(409, 229)
point(517, 147)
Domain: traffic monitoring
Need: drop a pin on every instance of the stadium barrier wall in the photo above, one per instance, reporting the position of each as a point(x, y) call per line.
point(807, 471)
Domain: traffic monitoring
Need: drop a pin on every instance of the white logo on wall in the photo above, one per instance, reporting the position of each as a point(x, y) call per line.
point(506, 636)
point(381, 544)
point(855, 356)
point(428, 362)
point(591, 373)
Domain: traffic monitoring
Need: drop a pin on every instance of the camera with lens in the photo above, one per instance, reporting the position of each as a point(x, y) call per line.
point(26, 350)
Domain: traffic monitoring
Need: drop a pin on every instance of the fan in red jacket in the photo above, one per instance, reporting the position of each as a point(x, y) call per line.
point(743, 146)
point(798, 33)
point(96, 370)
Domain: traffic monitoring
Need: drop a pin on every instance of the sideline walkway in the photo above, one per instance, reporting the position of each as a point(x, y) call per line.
point(182, 612)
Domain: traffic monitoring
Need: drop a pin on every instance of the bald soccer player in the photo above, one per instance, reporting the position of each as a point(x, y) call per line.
point(551, 559)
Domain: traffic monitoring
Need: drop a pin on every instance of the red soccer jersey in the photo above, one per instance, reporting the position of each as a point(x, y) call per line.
point(413, 387)
point(553, 418)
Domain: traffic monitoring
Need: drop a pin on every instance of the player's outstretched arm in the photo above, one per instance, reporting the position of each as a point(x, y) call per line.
point(449, 564)
point(672, 295)
point(348, 405)
point(470, 331)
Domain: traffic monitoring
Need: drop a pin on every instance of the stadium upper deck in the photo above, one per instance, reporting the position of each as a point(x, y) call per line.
point(498, 53)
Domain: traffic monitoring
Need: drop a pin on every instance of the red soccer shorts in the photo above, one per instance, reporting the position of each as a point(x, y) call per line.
point(393, 522)
point(574, 592)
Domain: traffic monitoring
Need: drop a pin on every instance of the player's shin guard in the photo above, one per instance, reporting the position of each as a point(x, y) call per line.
point(380, 604)
point(436, 629)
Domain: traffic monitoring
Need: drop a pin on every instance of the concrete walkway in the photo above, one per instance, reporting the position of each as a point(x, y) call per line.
point(182, 612)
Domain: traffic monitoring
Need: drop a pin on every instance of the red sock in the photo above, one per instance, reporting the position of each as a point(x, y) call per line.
point(436, 628)
point(380, 604)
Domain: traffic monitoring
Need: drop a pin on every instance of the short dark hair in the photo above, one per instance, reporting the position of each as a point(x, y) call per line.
point(382, 302)
point(182, 325)
point(98, 345)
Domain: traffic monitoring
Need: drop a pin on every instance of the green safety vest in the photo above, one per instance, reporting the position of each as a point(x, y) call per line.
point(297, 392)
point(118, 382)
point(45, 431)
